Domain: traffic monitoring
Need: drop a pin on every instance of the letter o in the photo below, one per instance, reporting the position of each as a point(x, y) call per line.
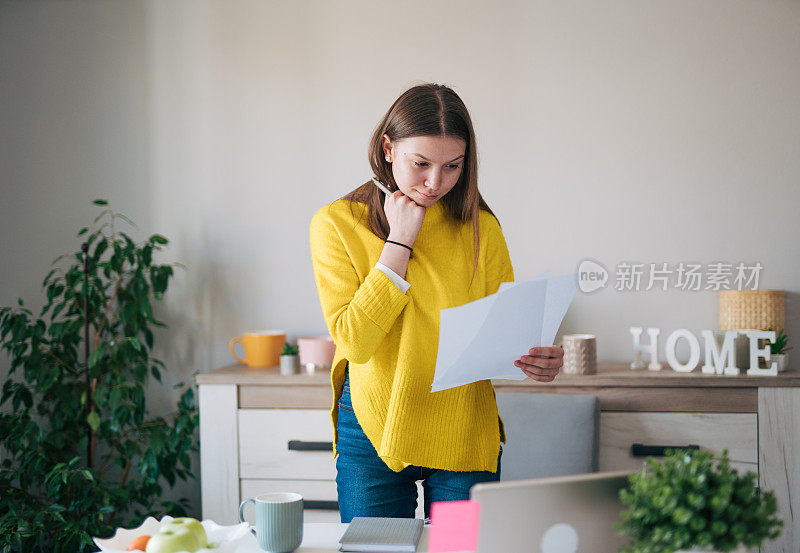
point(694, 351)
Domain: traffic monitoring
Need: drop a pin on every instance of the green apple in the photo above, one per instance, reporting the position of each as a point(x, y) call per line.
point(192, 524)
point(170, 540)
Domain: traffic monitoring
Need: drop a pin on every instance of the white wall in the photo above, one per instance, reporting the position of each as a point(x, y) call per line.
point(660, 131)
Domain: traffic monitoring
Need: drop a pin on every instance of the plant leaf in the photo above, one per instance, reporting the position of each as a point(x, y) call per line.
point(94, 420)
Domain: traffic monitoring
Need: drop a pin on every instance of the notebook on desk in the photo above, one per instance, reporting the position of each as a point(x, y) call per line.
point(387, 535)
point(563, 514)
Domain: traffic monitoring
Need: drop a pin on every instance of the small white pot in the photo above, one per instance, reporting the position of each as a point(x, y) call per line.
point(290, 364)
point(782, 359)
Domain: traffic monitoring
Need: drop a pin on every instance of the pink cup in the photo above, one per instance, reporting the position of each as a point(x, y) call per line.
point(316, 353)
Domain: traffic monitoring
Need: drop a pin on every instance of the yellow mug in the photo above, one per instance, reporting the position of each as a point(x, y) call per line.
point(261, 349)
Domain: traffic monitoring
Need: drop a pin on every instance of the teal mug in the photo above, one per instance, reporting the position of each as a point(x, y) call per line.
point(279, 521)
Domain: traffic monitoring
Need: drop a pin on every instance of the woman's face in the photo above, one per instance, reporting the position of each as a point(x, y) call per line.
point(425, 167)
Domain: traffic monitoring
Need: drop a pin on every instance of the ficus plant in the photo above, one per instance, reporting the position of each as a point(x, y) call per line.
point(694, 500)
point(81, 454)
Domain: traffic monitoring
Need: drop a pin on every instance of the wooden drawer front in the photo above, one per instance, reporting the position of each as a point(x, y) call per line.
point(738, 432)
point(264, 436)
point(311, 490)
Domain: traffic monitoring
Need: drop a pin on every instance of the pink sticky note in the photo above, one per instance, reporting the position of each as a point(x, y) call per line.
point(454, 526)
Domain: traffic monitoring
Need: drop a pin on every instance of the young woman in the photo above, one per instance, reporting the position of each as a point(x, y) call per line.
point(385, 265)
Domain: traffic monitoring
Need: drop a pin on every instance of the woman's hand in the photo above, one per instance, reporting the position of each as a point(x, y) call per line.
point(405, 217)
point(543, 362)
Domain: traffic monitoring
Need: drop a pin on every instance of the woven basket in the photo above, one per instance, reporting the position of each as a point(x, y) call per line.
point(752, 309)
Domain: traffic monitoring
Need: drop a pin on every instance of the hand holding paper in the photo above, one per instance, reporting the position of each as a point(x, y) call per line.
point(481, 340)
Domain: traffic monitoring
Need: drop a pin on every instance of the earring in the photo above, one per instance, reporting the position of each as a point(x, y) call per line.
point(388, 159)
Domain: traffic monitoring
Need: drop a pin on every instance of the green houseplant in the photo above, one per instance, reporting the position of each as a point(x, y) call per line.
point(82, 455)
point(779, 345)
point(693, 500)
point(289, 349)
point(290, 361)
point(778, 350)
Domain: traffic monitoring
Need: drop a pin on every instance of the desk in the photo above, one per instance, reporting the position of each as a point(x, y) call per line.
point(250, 417)
point(323, 537)
point(320, 537)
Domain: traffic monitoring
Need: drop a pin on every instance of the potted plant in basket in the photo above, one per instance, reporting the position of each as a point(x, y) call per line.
point(290, 360)
point(778, 350)
point(694, 502)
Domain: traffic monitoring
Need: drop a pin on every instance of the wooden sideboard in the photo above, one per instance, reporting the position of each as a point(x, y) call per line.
point(261, 431)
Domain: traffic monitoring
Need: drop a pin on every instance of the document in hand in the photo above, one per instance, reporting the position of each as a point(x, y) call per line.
point(481, 339)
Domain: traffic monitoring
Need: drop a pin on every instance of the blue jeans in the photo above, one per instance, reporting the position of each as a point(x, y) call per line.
point(367, 487)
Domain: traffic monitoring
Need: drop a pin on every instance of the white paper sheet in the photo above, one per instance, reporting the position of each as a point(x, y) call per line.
point(481, 340)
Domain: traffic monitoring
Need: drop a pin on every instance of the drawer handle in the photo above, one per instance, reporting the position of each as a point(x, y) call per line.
point(320, 504)
point(299, 445)
point(641, 450)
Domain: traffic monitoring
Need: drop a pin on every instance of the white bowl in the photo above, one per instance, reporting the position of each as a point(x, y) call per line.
point(224, 539)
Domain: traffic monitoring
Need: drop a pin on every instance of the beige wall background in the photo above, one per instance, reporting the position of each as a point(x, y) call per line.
point(650, 132)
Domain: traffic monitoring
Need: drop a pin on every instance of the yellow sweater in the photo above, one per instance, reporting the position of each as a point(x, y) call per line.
point(390, 338)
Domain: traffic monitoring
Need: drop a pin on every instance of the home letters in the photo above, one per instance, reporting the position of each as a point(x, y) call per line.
point(719, 359)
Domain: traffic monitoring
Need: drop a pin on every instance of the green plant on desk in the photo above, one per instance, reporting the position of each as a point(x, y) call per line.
point(82, 455)
point(778, 347)
point(289, 349)
point(694, 500)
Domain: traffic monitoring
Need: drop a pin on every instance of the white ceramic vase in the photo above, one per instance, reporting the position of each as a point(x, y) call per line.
point(290, 364)
point(782, 359)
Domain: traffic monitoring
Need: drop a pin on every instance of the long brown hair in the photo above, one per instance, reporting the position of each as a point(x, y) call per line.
point(425, 110)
